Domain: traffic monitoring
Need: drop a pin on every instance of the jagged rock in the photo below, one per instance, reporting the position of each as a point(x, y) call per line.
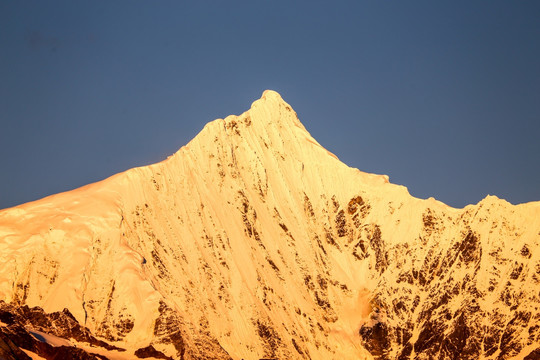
point(21, 327)
point(150, 351)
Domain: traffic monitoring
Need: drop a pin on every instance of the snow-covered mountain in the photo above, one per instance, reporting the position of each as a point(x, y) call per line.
point(253, 241)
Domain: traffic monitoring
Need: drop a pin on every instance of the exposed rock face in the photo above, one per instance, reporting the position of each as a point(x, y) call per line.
point(475, 295)
point(253, 241)
point(22, 328)
point(9, 350)
point(150, 351)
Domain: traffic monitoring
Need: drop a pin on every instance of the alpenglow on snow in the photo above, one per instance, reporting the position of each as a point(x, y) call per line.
point(253, 241)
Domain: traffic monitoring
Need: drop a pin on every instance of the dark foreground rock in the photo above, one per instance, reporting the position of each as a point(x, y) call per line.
point(21, 328)
point(150, 351)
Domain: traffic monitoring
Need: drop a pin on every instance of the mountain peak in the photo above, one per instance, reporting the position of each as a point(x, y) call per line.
point(272, 107)
point(271, 94)
point(253, 241)
point(270, 121)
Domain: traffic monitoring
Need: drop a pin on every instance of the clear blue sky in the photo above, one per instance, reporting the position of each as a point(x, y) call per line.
point(444, 97)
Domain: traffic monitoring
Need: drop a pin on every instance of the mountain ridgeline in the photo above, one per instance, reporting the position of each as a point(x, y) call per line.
point(254, 242)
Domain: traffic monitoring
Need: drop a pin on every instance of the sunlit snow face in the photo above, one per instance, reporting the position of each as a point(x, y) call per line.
point(254, 234)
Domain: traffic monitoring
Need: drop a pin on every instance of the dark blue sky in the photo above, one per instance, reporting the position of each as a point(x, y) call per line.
point(442, 97)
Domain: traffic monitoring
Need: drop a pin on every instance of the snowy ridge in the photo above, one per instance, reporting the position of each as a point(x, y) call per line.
point(253, 241)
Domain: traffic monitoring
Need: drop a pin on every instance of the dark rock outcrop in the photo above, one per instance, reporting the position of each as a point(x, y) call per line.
point(23, 327)
point(150, 351)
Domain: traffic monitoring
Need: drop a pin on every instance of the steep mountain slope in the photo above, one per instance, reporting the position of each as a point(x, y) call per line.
point(253, 241)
